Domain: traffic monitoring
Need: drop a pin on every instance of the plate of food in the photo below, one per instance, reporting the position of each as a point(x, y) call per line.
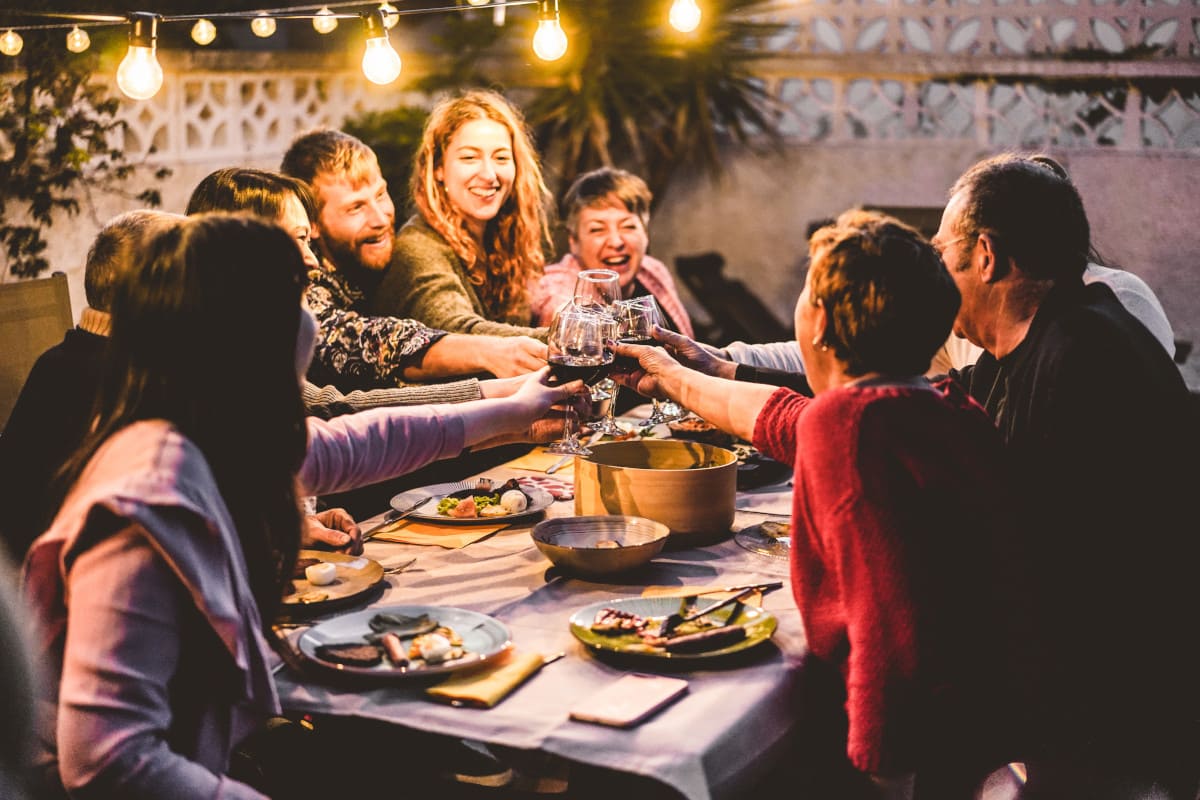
point(472, 502)
point(633, 626)
point(405, 641)
point(322, 578)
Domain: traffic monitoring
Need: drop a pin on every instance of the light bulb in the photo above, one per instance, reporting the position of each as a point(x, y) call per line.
point(478, 2)
point(390, 15)
point(684, 15)
point(380, 63)
point(139, 75)
point(324, 21)
point(11, 43)
point(263, 26)
point(549, 43)
point(204, 32)
point(78, 40)
point(499, 14)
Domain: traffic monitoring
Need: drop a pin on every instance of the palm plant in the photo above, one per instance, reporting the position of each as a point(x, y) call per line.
point(632, 93)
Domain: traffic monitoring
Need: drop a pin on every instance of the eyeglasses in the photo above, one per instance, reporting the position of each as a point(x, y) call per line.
point(941, 247)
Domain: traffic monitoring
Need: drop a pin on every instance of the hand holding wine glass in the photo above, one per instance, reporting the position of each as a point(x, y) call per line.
point(637, 318)
point(576, 351)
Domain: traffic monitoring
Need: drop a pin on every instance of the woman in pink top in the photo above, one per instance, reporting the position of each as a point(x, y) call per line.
point(181, 524)
point(607, 212)
point(900, 506)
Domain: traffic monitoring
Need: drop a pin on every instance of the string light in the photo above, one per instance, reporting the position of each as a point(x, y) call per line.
point(324, 21)
point(684, 15)
point(78, 40)
point(11, 43)
point(380, 62)
point(263, 25)
point(549, 42)
point(390, 15)
point(204, 32)
point(139, 75)
point(478, 2)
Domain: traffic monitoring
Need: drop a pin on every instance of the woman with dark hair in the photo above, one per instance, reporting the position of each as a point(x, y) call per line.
point(899, 505)
point(181, 523)
point(465, 260)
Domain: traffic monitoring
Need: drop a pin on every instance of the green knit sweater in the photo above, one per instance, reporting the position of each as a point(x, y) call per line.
point(428, 282)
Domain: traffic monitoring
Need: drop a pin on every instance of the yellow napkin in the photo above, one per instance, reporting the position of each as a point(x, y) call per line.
point(538, 460)
point(450, 537)
point(685, 591)
point(487, 686)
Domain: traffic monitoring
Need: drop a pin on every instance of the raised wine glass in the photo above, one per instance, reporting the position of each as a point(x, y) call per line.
point(600, 289)
point(636, 319)
point(576, 351)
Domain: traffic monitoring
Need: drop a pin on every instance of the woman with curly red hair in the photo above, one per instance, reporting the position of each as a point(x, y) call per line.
point(463, 262)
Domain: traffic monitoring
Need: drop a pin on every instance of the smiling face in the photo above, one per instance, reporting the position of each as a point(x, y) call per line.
point(356, 220)
point(478, 171)
point(294, 220)
point(610, 236)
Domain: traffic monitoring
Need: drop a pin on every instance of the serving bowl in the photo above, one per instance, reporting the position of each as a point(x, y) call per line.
point(687, 486)
point(599, 545)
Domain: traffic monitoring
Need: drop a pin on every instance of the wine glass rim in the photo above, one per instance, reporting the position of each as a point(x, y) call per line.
point(599, 273)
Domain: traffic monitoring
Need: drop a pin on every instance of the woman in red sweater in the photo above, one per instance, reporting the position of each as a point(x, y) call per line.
point(901, 516)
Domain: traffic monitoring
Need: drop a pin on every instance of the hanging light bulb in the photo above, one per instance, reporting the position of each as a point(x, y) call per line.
point(324, 21)
point(263, 26)
point(478, 2)
point(78, 40)
point(684, 15)
point(380, 63)
point(11, 43)
point(204, 32)
point(390, 15)
point(499, 12)
point(139, 75)
point(549, 42)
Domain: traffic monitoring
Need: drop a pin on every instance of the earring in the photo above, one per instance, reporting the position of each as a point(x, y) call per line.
point(816, 342)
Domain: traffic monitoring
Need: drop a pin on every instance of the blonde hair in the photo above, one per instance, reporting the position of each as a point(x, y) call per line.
point(512, 248)
point(325, 151)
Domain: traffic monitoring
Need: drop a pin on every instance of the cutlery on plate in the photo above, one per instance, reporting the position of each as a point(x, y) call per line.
point(675, 620)
point(393, 516)
point(763, 587)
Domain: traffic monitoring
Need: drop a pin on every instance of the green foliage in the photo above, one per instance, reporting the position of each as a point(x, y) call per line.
point(57, 129)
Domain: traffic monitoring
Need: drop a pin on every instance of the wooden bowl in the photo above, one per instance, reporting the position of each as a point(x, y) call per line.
point(687, 486)
point(599, 545)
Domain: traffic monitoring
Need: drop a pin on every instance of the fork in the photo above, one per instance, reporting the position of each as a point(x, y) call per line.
point(398, 568)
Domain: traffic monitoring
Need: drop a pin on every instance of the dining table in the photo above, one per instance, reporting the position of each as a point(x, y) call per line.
point(730, 727)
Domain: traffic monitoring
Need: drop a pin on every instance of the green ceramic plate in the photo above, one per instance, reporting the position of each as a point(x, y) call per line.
point(759, 625)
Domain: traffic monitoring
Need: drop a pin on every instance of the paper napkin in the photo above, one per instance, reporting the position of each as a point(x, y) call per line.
point(450, 537)
point(538, 460)
point(686, 591)
point(487, 686)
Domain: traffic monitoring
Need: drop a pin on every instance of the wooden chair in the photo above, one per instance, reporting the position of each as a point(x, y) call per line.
point(34, 315)
point(735, 311)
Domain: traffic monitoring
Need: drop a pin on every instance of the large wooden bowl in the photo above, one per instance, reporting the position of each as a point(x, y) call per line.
point(687, 486)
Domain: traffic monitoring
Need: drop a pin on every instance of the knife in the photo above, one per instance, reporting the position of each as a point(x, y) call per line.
point(393, 516)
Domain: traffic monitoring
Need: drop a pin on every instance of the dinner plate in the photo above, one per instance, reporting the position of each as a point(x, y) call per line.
point(356, 575)
point(483, 638)
point(539, 500)
point(759, 625)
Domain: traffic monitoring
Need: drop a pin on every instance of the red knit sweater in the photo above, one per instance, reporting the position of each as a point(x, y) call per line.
point(890, 579)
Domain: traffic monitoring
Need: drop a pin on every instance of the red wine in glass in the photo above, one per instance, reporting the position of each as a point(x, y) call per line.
point(589, 369)
point(626, 364)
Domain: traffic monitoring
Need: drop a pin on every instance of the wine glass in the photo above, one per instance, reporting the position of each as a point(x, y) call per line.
point(636, 321)
point(576, 351)
point(600, 289)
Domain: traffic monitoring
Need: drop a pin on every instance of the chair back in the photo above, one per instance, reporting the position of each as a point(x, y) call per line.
point(34, 315)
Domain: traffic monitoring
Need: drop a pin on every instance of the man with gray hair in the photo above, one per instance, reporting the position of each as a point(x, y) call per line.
point(1103, 434)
